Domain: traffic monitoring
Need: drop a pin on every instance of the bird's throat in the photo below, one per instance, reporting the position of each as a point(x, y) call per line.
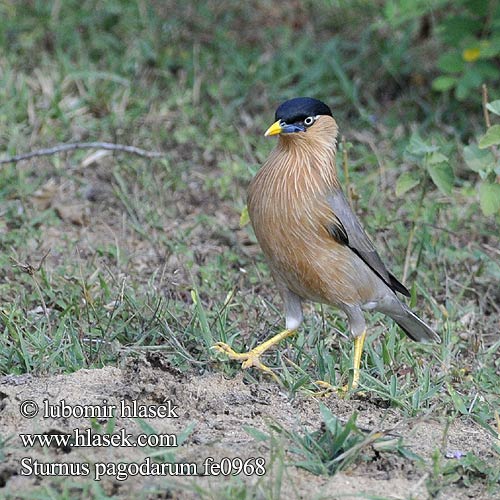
point(308, 165)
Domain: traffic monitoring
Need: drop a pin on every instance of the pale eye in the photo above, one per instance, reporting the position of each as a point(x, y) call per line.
point(309, 121)
point(282, 123)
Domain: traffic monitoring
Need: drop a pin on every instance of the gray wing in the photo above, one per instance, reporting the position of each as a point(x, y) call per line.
point(355, 237)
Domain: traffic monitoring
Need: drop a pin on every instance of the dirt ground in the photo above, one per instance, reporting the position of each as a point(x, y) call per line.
point(219, 409)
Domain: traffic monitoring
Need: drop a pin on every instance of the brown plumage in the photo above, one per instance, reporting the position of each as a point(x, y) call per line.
point(314, 244)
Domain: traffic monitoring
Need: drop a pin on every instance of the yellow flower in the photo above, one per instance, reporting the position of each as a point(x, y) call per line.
point(471, 55)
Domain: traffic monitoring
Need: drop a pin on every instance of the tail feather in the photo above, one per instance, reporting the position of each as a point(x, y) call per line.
point(413, 326)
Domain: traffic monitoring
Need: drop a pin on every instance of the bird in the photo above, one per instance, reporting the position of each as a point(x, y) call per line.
point(313, 242)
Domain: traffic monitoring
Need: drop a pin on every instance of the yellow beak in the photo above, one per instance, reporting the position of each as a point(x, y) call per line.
point(274, 129)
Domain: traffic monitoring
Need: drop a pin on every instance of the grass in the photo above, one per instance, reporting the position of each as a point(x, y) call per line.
point(335, 446)
point(162, 264)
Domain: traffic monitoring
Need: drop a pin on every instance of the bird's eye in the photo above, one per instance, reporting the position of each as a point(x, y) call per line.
point(309, 121)
point(282, 123)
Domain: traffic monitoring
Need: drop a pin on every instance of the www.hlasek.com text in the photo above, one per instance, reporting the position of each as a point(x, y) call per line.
point(87, 438)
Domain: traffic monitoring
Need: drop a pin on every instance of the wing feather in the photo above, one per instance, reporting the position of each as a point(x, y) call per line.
point(347, 230)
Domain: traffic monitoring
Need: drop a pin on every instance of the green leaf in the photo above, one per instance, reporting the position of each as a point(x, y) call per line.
point(206, 331)
point(405, 182)
point(489, 48)
point(185, 433)
point(494, 107)
point(419, 147)
point(443, 83)
point(257, 434)
point(489, 198)
point(244, 217)
point(455, 28)
point(437, 157)
point(146, 427)
point(457, 400)
point(442, 176)
point(329, 419)
point(478, 160)
point(472, 78)
point(461, 91)
point(451, 62)
point(491, 138)
point(487, 70)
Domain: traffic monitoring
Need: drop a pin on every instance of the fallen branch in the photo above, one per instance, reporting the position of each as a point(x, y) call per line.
point(60, 148)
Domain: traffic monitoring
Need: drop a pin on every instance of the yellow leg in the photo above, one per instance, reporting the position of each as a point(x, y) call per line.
point(358, 351)
point(328, 389)
point(251, 358)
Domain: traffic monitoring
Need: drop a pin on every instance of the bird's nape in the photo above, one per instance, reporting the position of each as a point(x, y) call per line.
point(300, 108)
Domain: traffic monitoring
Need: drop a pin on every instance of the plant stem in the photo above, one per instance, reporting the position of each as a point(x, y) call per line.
point(416, 216)
point(486, 115)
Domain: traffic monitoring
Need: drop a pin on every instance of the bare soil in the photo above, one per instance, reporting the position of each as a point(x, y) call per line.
point(219, 409)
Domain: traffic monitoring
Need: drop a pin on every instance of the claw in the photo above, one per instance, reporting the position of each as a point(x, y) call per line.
point(225, 349)
point(252, 358)
point(329, 389)
point(249, 359)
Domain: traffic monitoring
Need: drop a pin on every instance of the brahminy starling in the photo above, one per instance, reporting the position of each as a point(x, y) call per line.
point(314, 244)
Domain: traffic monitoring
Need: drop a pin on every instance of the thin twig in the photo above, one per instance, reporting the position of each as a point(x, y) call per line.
point(416, 216)
point(60, 148)
point(31, 271)
point(28, 268)
point(485, 109)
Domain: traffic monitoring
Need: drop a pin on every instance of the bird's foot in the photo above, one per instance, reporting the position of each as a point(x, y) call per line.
point(328, 389)
point(249, 359)
point(252, 358)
